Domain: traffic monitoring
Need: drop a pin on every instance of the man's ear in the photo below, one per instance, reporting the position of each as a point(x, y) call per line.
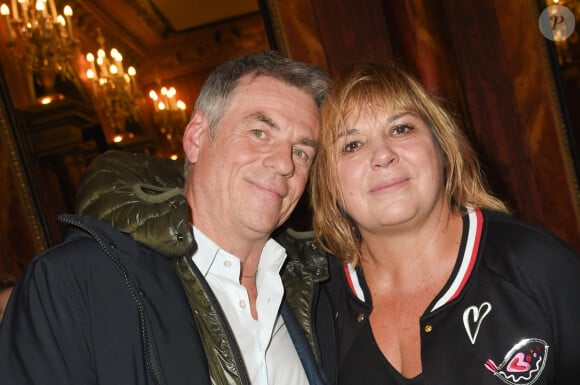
point(192, 135)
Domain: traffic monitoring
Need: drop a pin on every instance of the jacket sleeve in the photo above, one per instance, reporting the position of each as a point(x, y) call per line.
point(558, 287)
point(43, 337)
point(549, 271)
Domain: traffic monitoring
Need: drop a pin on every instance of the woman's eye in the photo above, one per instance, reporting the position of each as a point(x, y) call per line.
point(401, 129)
point(351, 146)
point(259, 133)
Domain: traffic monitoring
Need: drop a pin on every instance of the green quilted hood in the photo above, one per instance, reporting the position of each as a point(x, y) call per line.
point(140, 195)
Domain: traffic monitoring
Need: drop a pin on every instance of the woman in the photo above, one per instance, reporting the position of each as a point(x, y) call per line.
point(436, 283)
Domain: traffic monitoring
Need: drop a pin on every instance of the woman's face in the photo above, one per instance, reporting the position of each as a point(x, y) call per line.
point(390, 171)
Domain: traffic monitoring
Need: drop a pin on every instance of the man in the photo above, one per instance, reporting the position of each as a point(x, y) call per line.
point(6, 285)
point(174, 298)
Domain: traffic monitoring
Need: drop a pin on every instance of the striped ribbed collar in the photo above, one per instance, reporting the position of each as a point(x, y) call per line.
point(461, 272)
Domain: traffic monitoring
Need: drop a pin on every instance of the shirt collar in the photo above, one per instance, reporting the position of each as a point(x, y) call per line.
point(272, 257)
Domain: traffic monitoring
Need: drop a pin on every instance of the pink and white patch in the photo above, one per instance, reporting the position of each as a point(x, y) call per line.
point(523, 364)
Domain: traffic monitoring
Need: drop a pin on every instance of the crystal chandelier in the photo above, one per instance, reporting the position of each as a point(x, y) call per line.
point(114, 90)
point(169, 116)
point(42, 40)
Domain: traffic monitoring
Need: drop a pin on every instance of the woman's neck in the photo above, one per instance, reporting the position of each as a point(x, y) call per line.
point(400, 256)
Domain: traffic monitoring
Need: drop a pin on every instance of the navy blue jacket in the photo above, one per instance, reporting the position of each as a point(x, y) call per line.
point(101, 308)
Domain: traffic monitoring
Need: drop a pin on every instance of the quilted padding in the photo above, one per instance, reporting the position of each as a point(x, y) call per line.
point(140, 195)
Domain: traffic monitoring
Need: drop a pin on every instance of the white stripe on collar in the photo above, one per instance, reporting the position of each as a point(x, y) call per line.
point(475, 224)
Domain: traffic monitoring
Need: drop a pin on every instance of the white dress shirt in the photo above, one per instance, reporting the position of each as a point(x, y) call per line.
point(265, 344)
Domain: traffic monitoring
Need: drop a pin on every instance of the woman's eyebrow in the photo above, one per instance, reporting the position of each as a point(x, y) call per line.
point(351, 131)
point(399, 115)
point(390, 120)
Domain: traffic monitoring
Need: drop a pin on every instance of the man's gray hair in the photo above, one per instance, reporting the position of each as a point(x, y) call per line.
point(216, 93)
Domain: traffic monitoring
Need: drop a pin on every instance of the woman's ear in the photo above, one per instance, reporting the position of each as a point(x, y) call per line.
point(192, 135)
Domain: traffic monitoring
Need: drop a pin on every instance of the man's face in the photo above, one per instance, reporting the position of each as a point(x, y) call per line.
point(247, 180)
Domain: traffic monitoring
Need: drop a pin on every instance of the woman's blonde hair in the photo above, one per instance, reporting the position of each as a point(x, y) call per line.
point(387, 88)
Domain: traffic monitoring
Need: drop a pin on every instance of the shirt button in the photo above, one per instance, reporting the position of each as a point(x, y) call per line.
point(428, 328)
point(227, 263)
point(361, 317)
point(242, 304)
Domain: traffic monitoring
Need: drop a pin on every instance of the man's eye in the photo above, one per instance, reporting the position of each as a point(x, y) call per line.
point(300, 153)
point(351, 146)
point(259, 133)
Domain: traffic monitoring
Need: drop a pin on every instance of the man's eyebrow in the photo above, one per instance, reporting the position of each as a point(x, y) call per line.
point(309, 142)
point(263, 118)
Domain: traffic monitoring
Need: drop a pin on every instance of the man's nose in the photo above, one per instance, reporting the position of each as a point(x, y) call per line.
point(280, 158)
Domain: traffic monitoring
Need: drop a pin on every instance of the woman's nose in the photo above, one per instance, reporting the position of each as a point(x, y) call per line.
point(383, 154)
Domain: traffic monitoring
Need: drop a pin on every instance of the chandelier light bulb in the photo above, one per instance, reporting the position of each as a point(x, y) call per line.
point(68, 14)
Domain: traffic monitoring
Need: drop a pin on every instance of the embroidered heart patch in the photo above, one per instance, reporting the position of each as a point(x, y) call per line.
point(473, 317)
